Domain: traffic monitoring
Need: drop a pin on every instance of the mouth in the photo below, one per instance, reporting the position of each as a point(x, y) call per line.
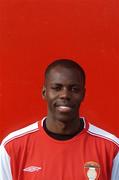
point(64, 109)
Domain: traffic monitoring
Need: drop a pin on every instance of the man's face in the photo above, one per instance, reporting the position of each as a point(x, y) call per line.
point(64, 92)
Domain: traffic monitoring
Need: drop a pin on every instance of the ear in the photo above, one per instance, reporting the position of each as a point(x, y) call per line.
point(44, 92)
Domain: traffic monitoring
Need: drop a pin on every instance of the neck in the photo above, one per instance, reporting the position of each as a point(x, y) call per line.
point(63, 127)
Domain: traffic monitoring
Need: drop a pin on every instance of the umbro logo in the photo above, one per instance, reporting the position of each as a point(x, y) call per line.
point(32, 169)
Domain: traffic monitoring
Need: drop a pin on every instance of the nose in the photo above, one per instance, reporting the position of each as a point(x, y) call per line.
point(65, 94)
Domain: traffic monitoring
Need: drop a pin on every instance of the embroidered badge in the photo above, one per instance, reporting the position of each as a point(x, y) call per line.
point(92, 170)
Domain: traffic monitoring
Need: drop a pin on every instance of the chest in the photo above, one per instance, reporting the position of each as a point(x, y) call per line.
point(84, 160)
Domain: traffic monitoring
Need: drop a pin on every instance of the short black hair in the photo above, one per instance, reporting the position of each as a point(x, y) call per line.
point(67, 63)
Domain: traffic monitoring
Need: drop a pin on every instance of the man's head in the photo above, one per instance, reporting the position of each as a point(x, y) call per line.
point(64, 89)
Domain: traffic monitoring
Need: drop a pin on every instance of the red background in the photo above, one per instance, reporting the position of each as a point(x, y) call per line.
point(33, 33)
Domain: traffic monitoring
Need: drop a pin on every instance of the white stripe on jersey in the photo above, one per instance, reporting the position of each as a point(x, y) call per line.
point(21, 132)
point(103, 134)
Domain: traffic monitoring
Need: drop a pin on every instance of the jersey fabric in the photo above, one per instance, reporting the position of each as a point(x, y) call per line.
point(30, 154)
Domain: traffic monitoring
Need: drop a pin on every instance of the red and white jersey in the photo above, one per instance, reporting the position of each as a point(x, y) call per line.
point(30, 154)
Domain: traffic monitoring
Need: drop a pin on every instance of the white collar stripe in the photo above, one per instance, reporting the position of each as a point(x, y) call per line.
point(21, 132)
point(103, 134)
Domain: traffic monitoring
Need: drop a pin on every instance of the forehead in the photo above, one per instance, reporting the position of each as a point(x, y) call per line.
point(62, 75)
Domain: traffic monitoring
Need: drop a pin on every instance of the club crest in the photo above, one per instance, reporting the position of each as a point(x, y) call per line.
point(92, 170)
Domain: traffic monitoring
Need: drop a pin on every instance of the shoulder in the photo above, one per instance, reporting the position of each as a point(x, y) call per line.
point(104, 135)
point(20, 133)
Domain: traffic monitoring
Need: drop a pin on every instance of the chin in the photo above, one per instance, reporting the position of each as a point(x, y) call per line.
point(64, 118)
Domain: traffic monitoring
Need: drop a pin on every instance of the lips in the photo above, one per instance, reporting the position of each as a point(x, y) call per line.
point(63, 108)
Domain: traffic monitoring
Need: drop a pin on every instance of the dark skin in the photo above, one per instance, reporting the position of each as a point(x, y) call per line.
point(64, 91)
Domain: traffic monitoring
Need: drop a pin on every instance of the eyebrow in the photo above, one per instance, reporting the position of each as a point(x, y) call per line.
point(59, 84)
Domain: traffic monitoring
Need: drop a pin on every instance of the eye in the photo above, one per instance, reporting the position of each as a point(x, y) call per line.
point(56, 88)
point(75, 89)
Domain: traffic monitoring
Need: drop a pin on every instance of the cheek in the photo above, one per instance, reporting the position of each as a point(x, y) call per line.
point(50, 97)
point(78, 100)
point(80, 97)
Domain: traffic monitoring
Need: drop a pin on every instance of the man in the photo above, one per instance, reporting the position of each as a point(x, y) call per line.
point(63, 146)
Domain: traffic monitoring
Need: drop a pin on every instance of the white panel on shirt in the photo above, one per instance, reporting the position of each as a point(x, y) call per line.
point(115, 169)
point(5, 170)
